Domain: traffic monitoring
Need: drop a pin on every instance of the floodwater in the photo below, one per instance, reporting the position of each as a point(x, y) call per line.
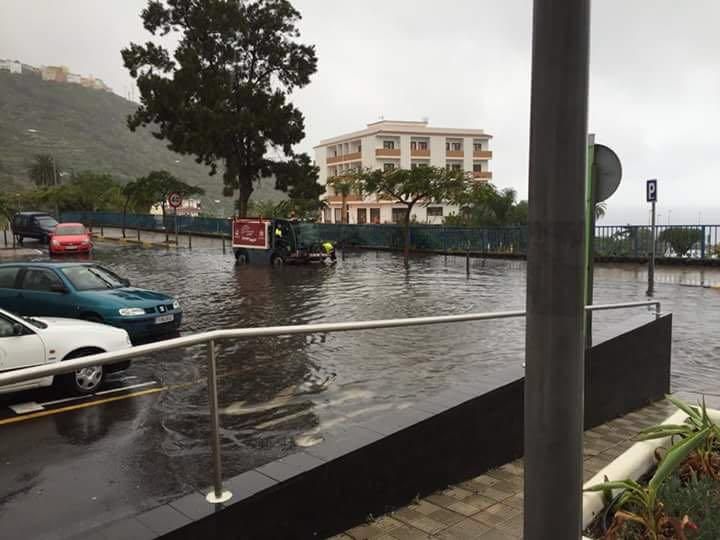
point(278, 394)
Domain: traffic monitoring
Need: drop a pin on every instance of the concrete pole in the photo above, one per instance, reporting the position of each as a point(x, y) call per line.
point(554, 375)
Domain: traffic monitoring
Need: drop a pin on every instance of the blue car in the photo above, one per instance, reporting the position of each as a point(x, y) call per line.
point(86, 291)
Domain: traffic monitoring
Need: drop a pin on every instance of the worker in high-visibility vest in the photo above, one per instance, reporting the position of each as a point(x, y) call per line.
point(329, 249)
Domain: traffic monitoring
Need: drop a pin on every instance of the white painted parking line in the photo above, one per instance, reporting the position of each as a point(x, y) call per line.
point(121, 388)
point(24, 408)
point(63, 400)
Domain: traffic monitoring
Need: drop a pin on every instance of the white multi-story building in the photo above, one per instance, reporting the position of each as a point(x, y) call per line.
point(13, 66)
point(399, 144)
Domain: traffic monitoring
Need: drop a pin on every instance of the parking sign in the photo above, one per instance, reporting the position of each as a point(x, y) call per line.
point(651, 190)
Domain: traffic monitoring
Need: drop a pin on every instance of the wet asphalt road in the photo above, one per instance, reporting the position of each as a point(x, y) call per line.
point(81, 463)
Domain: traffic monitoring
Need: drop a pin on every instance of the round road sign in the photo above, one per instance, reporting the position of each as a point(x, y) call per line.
point(175, 200)
point(608, 172)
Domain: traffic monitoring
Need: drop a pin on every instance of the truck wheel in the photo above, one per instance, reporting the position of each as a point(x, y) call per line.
point(86, 380)
point(241, 257)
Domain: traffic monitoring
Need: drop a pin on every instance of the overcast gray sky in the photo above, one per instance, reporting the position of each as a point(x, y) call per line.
point(654, 78)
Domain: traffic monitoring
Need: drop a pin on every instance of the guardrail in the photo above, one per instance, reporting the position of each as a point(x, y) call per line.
point(218, 494)
point(682, 242)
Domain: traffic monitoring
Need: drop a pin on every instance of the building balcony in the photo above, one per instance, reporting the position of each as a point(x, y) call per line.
point(454, 153)
point(482, 154)
point(354, 156)
point(387, 152)
point(482, 175)
point(335, 199)
point(420, 152)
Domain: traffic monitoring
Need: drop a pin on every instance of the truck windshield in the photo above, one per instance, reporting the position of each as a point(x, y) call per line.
point(92, 278)
point(46, 222)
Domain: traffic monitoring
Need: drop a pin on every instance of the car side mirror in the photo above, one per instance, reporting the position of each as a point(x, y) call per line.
point(58, 288)
point(18, 329)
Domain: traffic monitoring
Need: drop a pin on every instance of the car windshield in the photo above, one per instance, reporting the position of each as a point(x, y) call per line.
point(47, 221)
point(69, 230)
point(92, 278)
point(35, 322)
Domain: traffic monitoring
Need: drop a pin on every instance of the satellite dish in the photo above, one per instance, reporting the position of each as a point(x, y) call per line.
point(608, 172)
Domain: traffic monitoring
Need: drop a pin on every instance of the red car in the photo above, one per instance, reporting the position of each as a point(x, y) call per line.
point(70, 238)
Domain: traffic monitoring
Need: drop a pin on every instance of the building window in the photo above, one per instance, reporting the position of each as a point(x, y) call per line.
point(447, 146)
point(389, 145)
point(327, 215)
point(456, 146)
point(362, 215)
point(398, 215)
point(477, 147)
point(435, 211)
point(422, 145)
point(413, 145)
point(375, 216)
point(388, 166)
point(477, 167)
point(455, 166)
point(338, 215)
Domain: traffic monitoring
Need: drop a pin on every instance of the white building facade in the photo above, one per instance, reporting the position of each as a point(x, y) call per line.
point(399, 144)
point(13, 66)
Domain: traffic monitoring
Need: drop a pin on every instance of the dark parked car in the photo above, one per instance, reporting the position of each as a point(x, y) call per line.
point(38, 225)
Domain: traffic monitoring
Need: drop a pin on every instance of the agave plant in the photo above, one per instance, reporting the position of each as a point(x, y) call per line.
point(704, 460)
point(638, 503)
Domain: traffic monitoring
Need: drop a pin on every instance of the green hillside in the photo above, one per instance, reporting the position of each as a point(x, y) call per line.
point(86, 129)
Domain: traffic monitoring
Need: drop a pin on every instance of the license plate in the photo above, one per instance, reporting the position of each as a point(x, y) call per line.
point(70, 248)
point(164, 319)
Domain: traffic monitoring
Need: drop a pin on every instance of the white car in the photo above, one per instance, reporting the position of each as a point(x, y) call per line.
point(29, 341)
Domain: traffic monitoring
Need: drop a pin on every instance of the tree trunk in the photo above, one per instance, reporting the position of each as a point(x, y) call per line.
point(245, 189)
point(406, 223)
point(343, 210)
point(124, 220)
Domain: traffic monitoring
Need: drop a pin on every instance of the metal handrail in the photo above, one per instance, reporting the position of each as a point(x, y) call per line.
point(218, 494)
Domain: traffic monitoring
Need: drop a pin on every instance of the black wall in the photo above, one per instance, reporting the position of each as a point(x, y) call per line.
point(445, 439)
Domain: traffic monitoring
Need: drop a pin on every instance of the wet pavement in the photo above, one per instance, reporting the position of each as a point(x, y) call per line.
point(115, 454)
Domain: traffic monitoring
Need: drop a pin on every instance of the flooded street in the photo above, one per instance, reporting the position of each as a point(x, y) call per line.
point(277, 394)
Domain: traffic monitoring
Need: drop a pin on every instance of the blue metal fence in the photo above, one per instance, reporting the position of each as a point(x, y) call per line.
point(622, 242)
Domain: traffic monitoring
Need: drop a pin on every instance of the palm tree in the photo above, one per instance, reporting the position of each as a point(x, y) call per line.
point(600, 209)
point(43, 171)
point(343, 186)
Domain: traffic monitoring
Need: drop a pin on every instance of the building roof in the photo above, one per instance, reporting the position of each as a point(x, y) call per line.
point(404, 127)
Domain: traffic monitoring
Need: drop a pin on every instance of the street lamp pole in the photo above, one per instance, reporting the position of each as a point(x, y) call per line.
point(554, 348)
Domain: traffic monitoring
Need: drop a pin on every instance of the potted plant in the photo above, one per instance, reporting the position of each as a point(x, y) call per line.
point(649, 493)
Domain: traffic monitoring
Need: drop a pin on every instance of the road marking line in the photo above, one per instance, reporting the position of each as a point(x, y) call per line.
point(121, 388)
point(40, 414)
point(24, 408)
point(63, 400)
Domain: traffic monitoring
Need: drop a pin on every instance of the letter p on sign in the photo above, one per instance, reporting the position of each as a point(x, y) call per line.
point(651, 191)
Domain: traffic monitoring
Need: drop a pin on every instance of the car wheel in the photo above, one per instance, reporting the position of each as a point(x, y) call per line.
point(86, 380)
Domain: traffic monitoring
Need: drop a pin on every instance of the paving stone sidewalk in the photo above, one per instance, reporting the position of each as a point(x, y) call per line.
point(490, 506)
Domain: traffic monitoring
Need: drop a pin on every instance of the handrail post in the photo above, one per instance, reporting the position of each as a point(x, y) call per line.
point(217, 495)
point(658, 310)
